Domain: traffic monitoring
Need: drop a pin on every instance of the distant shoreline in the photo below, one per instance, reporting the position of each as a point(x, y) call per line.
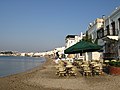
point(17, 56)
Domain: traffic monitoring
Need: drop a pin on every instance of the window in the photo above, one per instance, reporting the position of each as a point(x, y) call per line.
point(119, 24)
point(100, 33)
point(107, 28)
point(113, 28)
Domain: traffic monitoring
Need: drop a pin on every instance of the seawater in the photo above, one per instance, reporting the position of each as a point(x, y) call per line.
point(12, 65)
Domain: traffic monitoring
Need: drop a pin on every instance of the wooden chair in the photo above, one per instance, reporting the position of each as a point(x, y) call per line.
point(98, 70)
point(72, 71)
point(62, 71)
point(86, 71)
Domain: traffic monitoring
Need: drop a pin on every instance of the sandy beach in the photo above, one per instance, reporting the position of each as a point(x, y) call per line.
point(43, 78)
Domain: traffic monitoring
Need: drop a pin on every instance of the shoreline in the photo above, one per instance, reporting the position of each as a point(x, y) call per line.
point(34, 69)
point(43, 78)
point(14, 81)
point(25, 71)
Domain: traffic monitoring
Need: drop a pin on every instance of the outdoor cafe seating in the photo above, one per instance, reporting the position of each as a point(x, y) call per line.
point(65, 68)
point(87, 68)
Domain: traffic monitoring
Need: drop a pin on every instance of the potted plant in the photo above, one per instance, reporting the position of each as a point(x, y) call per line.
point(114, 67)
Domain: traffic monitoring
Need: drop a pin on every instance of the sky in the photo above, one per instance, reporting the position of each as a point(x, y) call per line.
point(42, 25)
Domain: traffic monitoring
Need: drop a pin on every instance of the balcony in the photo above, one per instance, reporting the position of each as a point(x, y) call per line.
point(111, 32)
point(105, 34)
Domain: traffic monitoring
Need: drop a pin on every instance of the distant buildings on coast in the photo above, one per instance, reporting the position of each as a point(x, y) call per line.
point(29, 54)
point(51, 53)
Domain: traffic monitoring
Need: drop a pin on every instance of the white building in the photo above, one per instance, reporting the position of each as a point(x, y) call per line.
point(22, 54)
point(92, 33)
point(29, 54)
point(93, 27)
point(108, 35)
point(72, 39)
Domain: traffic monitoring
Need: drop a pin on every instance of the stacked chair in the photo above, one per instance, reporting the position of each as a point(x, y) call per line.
point(91, 68)
point(97, 69)
point(65, 68)
point(86, 70)
point(61, 70)
point(71, 70)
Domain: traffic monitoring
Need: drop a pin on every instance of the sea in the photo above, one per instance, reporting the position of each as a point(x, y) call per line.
point(16, 64)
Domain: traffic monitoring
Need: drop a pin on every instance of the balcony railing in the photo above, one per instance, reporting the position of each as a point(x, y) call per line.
point(104, 33)
point(111, 32)
point(108, 56)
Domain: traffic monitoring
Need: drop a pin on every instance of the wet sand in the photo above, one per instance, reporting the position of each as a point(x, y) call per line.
point(44, 78)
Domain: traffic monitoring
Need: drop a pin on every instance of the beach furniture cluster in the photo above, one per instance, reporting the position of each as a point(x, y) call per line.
point(65, 68)
point(90, 68)
point(86, 68)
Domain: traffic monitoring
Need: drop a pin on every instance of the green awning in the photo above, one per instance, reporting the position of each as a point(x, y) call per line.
point(82, 47)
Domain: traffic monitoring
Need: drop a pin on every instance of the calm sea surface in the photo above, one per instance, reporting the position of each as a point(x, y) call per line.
point(12, 65)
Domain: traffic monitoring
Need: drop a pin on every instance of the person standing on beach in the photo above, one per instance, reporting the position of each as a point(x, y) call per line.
point(57, 55)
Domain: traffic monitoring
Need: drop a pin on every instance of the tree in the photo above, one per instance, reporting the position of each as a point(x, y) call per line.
point(87, 38)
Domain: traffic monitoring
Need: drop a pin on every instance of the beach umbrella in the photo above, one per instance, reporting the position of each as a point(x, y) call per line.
point(82, 47)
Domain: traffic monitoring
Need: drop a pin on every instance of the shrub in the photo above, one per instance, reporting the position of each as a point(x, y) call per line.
point(116, 64)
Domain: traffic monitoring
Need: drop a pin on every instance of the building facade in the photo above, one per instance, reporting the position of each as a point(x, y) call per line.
point(93, 27)
point(108, 35)
point(92, 33)
point(71, 40)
